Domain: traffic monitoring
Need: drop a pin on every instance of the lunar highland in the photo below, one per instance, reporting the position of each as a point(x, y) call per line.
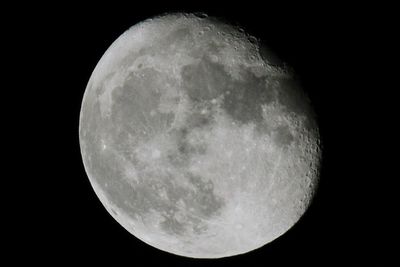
point(196, 139)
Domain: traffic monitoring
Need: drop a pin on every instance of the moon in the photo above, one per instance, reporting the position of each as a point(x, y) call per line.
point(197, 139)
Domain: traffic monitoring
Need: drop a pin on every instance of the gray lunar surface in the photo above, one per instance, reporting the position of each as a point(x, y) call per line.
point(196, 139)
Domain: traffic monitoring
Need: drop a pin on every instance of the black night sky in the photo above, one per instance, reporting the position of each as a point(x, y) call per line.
point(66, 222)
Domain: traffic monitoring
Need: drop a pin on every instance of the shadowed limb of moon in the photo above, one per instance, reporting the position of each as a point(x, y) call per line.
point(196, 139)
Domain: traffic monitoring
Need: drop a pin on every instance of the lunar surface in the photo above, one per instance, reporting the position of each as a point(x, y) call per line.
point(197, 139)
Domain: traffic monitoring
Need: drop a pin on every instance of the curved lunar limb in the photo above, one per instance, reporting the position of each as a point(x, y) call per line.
point(196, 139)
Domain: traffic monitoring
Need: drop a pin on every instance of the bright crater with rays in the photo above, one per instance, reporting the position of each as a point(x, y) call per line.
point(196, 139)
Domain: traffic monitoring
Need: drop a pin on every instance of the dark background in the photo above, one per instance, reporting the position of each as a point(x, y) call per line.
point(64, 221)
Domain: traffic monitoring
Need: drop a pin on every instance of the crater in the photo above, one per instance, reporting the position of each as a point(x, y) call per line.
point(114, 211)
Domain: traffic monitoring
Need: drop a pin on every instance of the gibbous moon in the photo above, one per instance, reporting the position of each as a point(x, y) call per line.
point(197, 139)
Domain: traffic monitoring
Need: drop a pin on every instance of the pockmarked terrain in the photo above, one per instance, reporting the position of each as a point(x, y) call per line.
point(196, 139)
